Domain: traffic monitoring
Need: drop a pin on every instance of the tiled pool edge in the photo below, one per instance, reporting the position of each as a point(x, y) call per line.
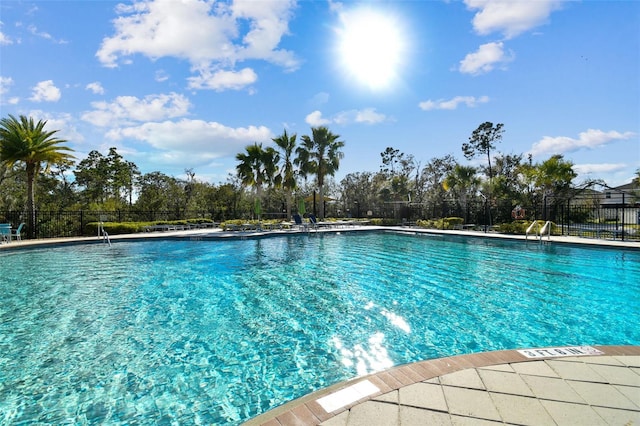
point(219, 234)
point(307, 411)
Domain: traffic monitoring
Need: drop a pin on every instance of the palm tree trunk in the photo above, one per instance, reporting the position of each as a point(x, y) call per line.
point(31, 201)
point(289, 203)
point(321, 193)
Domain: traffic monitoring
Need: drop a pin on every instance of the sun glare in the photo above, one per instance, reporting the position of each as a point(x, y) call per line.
point(371, 47)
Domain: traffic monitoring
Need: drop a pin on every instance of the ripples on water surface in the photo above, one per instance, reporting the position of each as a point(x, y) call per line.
point(216, 332)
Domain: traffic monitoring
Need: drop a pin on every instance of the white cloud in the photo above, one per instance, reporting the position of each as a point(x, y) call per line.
point(192, 142)
point(5, 82)
point(95, 87)
point(45, 91)
point(127, 109)
point(366, 116)
point(315, 119)
point(4, 40)
point(485, 59)
point(590, 139)
point(268, 22)
point(223, 80)
point(34, 30)
point(212, 36)
point(161, 75)
point(319, 98)
point(369, 116)
point(469, 101)
point(64, 123)
point(584, 169)
point(510, 17)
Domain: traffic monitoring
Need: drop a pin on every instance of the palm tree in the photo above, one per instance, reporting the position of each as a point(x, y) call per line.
point(24, 141)
point(464, 182)
point(287, 145)
point(258, 166)
point(319, 155)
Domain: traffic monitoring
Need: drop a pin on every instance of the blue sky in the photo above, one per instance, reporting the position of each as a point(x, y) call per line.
point(179, 84)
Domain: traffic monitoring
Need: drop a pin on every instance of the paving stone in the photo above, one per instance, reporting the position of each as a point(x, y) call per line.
point(339, 420)
point(618, 417)
point(470, 402)
point(630, 360)
point(503, 382)
point(534, 368)
point(387, 397)
point(552, 389)
point(565, 413)
point(617, 375)
point(472, 421)
point(602, 395)
point(521, 410)
point(468, 378)
point(498, 367)
point(423, 395)
point(603, 359)
point(633, 393)
point(410, 416)
point(374, 413)
point(576, 371)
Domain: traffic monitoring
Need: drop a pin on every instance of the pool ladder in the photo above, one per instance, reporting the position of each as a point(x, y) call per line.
point(104, 234)
point(546, 229)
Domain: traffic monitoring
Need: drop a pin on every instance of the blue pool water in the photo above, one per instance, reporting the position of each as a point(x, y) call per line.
point(216, 332)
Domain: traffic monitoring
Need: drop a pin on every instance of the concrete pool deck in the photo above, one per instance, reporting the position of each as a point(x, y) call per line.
point(486, 388)
point(218, 233)
point(502, 387)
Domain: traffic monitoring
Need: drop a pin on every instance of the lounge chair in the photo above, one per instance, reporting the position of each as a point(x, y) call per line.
point(299, 223)
point(16, 234)
point(5, 232)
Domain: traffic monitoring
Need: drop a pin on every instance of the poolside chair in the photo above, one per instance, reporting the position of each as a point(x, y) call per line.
point(16, 234)
point(299, 223)
point(5, 232)
point(313, 220)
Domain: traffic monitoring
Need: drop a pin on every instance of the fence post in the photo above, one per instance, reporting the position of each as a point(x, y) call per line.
point(623, 216)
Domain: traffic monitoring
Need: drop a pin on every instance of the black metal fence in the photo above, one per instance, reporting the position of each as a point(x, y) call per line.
point(52, 224)
point(570, 217)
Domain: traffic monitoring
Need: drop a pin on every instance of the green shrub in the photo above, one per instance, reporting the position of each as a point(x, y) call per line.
point(116, 228)
point(446, 223)
point(383, 222)
point(519, 227)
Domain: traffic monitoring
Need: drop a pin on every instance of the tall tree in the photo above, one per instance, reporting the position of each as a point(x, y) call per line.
point(390, 158)
point(463, 181)
point(257, 167)
point(554, 176)
point(160, 193)
point(90, 175)
point(287, 145)
point(27, 142)
point(482, 141)
point(320, 155)
point(359, 193)
point(122, 176)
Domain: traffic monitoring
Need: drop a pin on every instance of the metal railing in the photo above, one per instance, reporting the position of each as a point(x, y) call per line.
point(592, 221)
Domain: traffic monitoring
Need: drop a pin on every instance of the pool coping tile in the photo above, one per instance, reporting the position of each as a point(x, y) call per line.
point(394, 382)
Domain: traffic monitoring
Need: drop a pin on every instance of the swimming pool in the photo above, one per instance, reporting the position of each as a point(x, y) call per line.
point(216, 332)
